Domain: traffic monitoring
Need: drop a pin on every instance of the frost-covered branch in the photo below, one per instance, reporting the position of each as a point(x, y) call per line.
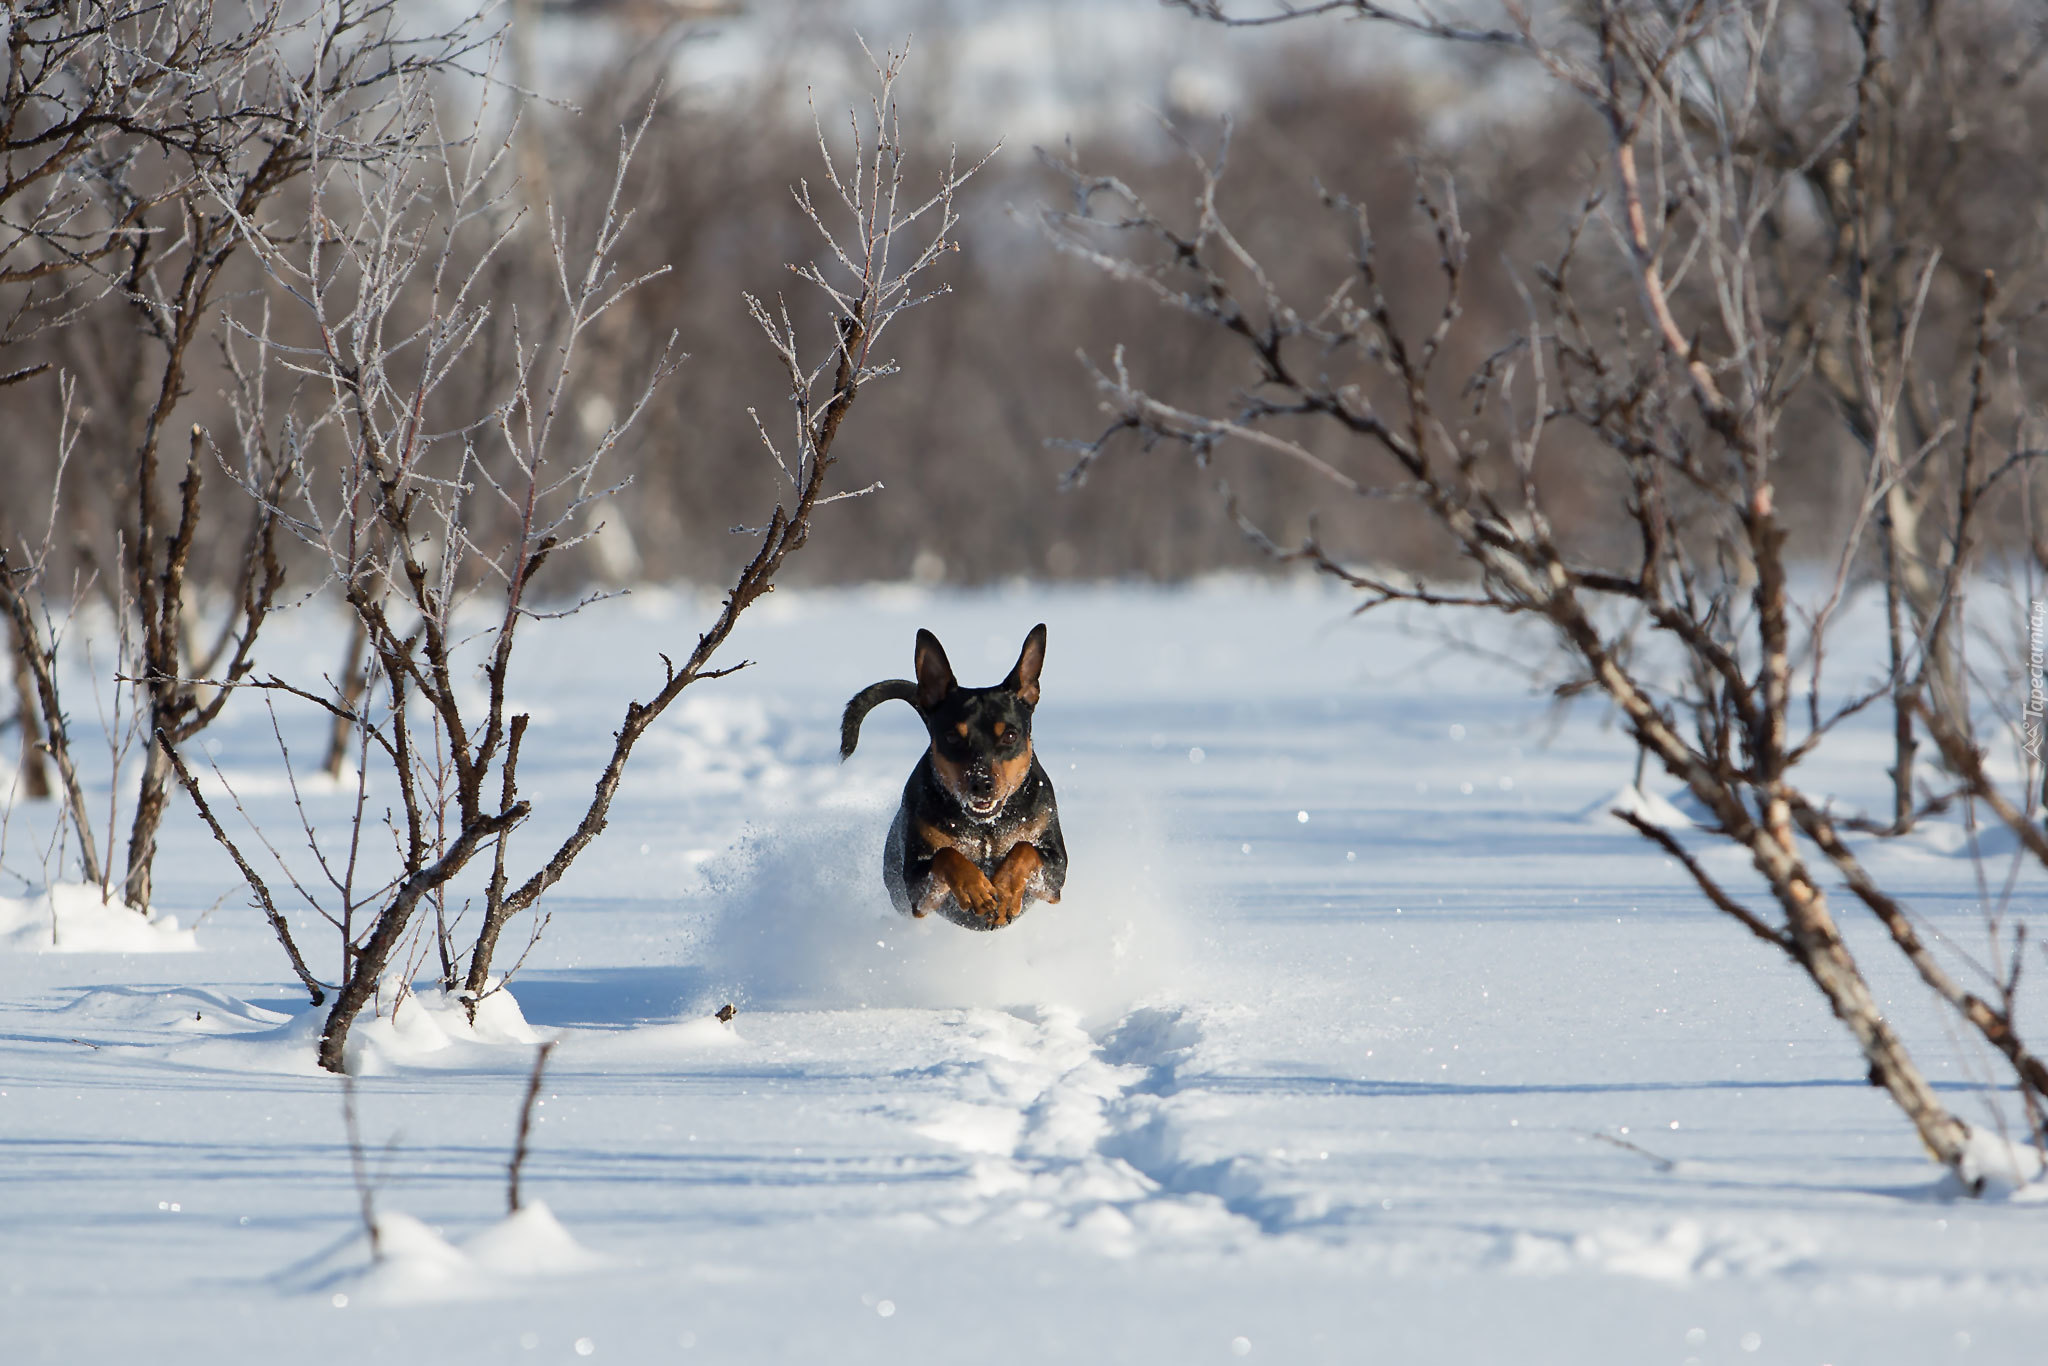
point(1687, 241)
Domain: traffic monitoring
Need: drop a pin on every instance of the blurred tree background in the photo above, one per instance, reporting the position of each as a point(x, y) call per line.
point(966, 442)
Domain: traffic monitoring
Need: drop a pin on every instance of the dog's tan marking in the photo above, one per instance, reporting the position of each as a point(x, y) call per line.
point(962, 728)
point(952, 870)
point(1014, 879)
point(1011, 773)
point(1001, 728)
point(950, 776)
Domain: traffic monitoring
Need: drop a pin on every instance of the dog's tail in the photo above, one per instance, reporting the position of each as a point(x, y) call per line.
point(865, 701)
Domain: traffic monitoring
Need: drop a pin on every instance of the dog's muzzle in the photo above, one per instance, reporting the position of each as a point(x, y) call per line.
point(981, 797)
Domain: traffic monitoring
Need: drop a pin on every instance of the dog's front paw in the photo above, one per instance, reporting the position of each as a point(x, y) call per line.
point(1009, 901)
point(1013, 883)
point(969, 885)
point(996, 914)
point(979, 895)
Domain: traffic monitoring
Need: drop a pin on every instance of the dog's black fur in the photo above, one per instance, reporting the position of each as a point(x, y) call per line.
point(977, 838)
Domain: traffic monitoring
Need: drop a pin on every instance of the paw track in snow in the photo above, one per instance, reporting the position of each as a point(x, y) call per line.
point(1068, 1130)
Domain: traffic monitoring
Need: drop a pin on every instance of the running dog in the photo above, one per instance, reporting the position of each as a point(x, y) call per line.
point(977, 838)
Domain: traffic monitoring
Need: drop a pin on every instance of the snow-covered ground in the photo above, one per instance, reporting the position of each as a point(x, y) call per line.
point(1362, 1035)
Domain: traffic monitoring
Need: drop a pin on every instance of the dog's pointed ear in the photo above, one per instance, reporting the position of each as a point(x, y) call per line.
point(1023, 679)
point(934, 675)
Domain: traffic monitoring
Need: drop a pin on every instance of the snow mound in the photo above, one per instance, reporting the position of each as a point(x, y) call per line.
point(1677, 1253)
point(248, 784)
point(148, 1013)
point(431, 1028)
point(1995, 1168)
point(416, 1265)
point(1645, 805)
point(290, 1049)
point(424, 1028)
point(804, 924)
point(76, 918)
point(531, 1242)
point(1991, 839)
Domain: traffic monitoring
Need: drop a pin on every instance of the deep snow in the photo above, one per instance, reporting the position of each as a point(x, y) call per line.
point(1363, 1034)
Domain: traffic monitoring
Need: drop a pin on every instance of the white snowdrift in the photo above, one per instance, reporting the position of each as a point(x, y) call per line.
point(430, 1028)
point(417, 1265)
point(148, 1014)
point(1675, 1253)
point(1996, 1168)
point(414, 1028)
point(1643, 804)
point(1953, 839)
point(75, 918)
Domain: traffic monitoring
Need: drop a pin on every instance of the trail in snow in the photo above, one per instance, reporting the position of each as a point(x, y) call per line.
point(1071, 1023)
point(1068, 1129)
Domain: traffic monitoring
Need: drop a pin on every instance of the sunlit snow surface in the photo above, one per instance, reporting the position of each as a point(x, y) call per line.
point(1306, 1067)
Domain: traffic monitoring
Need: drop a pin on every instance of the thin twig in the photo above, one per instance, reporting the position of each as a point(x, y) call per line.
point(526, 1109)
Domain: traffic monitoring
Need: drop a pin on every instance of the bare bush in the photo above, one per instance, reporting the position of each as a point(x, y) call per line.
point(1754, 249)
point(136, 142)
point(976, 481)
point(421, 508)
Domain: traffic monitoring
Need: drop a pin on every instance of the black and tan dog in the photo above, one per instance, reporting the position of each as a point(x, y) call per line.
point(977, 838)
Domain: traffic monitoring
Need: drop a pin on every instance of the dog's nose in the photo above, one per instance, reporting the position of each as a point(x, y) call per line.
point(980, 780)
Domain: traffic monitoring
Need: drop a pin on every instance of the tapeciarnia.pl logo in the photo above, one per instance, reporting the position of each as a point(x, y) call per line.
point(2037, 698)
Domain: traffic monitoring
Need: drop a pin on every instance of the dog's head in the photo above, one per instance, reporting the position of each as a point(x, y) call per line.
point(981, 737)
